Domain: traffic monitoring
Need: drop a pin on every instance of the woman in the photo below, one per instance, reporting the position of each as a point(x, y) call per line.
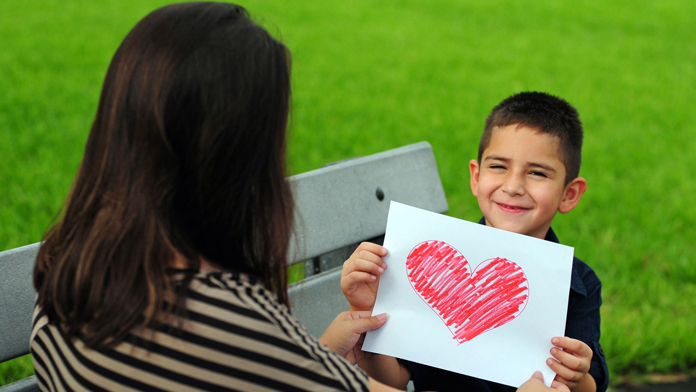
point(182, 178)
point(166, 270)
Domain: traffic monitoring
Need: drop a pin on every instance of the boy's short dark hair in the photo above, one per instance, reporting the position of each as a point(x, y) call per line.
point(547, 114)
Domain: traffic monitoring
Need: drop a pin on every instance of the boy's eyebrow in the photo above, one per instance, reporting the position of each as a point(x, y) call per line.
point(542, 166)
point(532, 164)
point(496, 158)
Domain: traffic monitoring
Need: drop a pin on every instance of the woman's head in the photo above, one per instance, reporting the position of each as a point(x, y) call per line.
point(186, 154)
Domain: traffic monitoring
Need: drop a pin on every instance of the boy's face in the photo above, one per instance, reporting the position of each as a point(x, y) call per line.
point(519, 183)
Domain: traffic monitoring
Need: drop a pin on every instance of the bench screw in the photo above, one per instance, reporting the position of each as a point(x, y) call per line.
point(379, 193)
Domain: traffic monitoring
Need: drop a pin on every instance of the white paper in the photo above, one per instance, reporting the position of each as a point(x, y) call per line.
point(507, 354)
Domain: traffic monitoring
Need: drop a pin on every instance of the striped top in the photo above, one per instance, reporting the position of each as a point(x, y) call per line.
point(236, 336)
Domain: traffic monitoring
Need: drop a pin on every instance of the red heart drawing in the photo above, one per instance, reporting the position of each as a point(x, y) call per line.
point(468, 303)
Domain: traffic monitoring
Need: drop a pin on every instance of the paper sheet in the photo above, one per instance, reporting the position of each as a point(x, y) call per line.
point(470, 298)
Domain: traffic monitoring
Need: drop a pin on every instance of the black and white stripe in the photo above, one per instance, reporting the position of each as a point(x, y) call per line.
point(235, 337)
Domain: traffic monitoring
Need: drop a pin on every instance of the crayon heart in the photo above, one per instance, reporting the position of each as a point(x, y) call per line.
point(469, 303)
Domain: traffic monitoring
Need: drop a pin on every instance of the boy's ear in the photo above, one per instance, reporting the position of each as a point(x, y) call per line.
point(474, 171)
point(572, 194)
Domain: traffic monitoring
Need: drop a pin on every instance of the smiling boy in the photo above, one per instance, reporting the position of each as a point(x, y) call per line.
point(528, 164)
point(527, 170)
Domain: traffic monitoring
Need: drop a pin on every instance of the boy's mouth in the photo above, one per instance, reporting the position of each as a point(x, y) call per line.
point(509, 208)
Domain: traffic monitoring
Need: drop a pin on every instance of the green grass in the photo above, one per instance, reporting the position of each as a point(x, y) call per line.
point(16, 369)
point(370, 76)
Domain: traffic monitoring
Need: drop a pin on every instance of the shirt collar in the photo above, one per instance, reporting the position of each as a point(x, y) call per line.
point(575, 279)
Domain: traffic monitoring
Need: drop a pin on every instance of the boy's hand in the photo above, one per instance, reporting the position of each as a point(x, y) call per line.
point(572, 361)
point(360, 275)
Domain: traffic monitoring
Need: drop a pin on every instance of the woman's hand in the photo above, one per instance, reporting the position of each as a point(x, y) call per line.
point(346, 333)
point(536, 384)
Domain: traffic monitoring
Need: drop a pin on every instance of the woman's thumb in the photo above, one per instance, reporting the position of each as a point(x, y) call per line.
point(370, 323)
point(380, 320)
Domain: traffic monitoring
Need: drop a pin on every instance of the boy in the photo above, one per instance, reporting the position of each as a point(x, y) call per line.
point(527, 169)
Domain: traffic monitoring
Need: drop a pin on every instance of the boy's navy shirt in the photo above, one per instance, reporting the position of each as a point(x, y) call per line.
point(582, 323)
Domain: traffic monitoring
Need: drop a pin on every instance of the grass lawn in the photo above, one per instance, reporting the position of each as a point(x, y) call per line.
point(370, 76)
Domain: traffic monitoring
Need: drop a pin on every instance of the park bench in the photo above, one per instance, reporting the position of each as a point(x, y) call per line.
point(337, 207)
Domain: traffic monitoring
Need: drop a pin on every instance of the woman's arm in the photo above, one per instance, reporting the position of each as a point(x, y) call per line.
point(345, 336)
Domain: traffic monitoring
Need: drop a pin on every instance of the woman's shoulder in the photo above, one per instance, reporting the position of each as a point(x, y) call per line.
point(238, 301)
point(269, 323)
point(226, 295)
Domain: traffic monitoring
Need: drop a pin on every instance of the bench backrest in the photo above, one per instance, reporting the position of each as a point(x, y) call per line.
point(337, 207)
point(343, 204)
point(16, 307)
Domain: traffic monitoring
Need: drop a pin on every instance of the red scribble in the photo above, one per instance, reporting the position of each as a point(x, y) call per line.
point(468, 303)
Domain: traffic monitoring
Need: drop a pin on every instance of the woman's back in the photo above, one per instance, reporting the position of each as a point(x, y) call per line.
point(184, 168)
point(233, 336)
point(185, 158)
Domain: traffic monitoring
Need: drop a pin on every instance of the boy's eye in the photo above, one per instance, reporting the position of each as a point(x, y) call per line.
point(539, 174)
point(497, 167)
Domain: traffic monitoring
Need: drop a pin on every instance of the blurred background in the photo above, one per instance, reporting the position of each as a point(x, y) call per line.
point(370, 76)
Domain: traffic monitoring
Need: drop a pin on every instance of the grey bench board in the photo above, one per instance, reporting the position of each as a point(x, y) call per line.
point(337, 205)
point(25, 385)
point(16, 307)
point(16, 300)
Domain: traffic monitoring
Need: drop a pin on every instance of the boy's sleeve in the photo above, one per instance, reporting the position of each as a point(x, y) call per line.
point(583, 322)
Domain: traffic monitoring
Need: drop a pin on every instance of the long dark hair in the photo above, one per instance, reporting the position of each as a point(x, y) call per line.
point(186, 153)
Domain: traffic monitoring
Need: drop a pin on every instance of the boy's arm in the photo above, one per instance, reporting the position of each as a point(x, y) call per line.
point(587, 384)
point(583, 323)
point(359, 283)
point(386, 369)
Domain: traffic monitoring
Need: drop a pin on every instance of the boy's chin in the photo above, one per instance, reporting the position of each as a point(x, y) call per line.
point(538, 232)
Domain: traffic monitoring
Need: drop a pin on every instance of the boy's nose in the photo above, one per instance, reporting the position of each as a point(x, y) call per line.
point(513, 186)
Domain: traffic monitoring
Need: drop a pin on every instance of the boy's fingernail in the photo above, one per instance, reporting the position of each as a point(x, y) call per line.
point(553, 351)
point(549, 361)
point(384, 265)
point(382, 316)
point(554, 340)
point(384, 251)
point(372, 277)
point(380, 270)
